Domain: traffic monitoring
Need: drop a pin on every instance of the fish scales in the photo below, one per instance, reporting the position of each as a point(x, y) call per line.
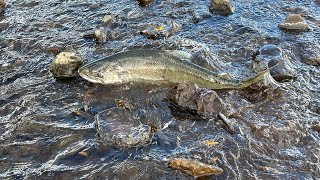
point(157, 67)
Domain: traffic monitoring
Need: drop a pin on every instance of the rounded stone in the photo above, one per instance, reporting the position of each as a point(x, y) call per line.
point(223, 7)
point(294, 22)
point(100, 36)
point(65, 65)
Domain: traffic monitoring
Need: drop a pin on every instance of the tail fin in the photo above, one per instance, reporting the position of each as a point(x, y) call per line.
point(264, 75)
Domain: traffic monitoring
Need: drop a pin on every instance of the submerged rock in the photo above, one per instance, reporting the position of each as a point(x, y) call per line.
point(108, 19)
point(122, 128)
point(203, 101)
point(144, 2)
point(66, 65)
point(163, 30)
point(194, 167)
point(294, 22)
point(312, 58)
point(270, 54)
point(223, 7)
point(2, 6)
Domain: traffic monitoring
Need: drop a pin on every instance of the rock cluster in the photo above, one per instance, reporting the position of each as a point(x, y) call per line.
point(66, 65)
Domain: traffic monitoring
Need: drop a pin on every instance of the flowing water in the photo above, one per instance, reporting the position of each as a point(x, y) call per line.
point(48, 126)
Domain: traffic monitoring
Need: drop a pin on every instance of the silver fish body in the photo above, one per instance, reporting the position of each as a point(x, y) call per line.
point(157, 67)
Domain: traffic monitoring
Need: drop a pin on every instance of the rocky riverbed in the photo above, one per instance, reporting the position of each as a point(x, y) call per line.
point(68, 128)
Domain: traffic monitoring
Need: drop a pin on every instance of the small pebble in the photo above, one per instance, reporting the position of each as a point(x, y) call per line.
point(100, 36)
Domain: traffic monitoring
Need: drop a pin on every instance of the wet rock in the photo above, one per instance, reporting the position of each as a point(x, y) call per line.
point(209, 102)
point(3, 26)
point(163, 30)
point(194, 167)
point(122, 128)
point(316, 127)
point(186, 95)
point(2, 6)
point(100, 36)
point(203, 101)
point(167, 139)
point(223, 7)
point(312, 59)
point(65, 65)
point(53, 50)
point(108, 19)
point(269, 55)
point(294, 22)
point(144, 2)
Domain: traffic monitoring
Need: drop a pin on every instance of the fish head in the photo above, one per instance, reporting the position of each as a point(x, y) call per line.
point(107, 73)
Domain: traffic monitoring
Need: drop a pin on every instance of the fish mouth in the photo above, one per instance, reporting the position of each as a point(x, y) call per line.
point(87, 75)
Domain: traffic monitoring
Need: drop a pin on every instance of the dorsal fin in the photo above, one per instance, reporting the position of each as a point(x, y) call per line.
point(180, 54)
point(225, 76)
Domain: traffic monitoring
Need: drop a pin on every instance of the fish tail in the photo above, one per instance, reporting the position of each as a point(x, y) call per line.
point(264, 75)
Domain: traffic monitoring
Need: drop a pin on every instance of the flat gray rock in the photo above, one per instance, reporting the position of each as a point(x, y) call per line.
point(122, 128)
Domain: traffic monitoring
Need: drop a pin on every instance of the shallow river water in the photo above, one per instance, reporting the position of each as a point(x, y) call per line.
point(47, 126)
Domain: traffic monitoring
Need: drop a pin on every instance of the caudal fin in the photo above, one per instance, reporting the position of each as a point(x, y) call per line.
point(264, 75)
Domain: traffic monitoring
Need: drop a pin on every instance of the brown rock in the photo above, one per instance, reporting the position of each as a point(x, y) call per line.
point(194, 167)
point(65, 65)
point(294, 22)
point(144, 2)
point(186, 95)
point(223, 7)
point(203, 101)
point(2, 5)
point(312, 59)
point(209, 102)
